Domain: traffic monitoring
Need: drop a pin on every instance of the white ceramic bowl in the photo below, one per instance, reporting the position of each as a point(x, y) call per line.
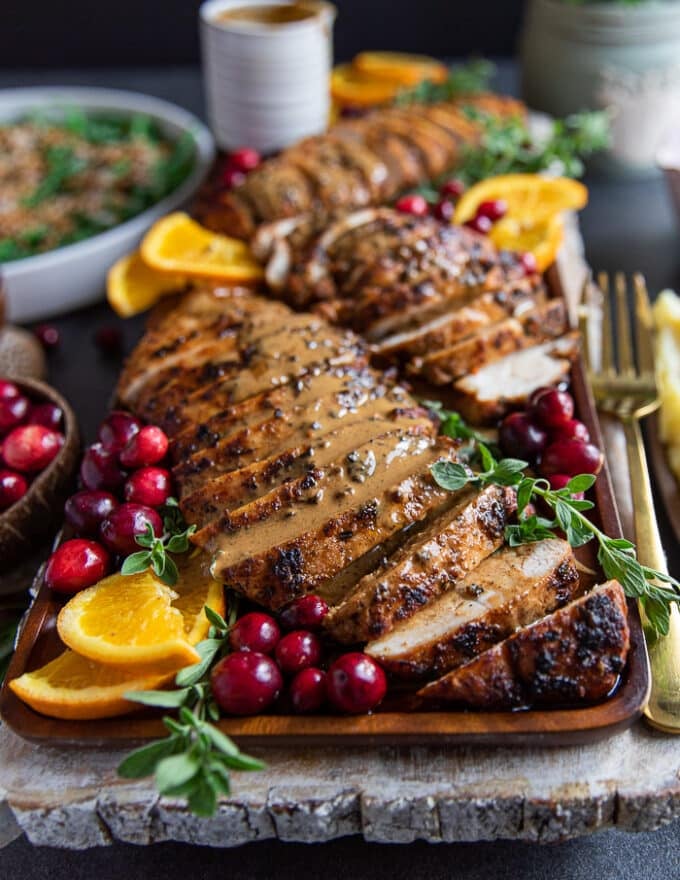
point(74, 276)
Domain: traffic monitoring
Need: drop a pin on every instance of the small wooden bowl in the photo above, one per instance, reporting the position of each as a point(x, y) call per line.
point(26, 523)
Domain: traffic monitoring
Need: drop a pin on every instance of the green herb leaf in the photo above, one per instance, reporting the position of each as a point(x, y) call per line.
point(164, 699)
point(136, 562)
point(450, 475)
point(176, 770)
point(191, 674)
point(216, 619)
point(203, 799)
point(142, 762)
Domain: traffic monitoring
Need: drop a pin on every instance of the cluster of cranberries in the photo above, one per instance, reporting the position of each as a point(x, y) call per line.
point(487, 213)
point(266, 652)
point(123, 483)
point(238, 165)
point(31, 435)
point(549, 437)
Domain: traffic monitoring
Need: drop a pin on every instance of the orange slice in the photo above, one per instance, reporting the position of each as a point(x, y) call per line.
point(73, 687)
point(181, 246)
point(401, 67)
point(541, 236)
point(133, 287)
point(351, 87)
point(127, 620)
point(528, 196)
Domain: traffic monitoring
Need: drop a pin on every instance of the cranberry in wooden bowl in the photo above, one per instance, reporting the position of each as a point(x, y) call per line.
point(38, 510)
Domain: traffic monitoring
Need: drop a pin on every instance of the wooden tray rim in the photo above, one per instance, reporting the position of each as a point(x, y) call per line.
point(533, 727)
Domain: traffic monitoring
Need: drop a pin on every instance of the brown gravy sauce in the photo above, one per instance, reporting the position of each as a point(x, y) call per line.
point(271, 14)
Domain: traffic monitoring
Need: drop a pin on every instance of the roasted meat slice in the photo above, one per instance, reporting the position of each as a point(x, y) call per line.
point(348, 387)
point(455, 324)
point(273, 555)
point(486, 396)
point(246, 476)
point(574, 655)
point(285, 357)
point(510, 589)
point(427, 564)
point(489, 344)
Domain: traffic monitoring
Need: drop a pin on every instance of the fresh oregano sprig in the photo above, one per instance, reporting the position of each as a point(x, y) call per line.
point(194, 760)
point(452, 424)
point(656, 590)
point(155, 555)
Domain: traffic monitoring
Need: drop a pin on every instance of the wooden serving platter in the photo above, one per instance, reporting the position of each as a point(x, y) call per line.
point(397, 722)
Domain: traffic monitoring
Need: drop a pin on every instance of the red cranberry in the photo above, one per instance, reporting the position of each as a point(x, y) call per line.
point(413, 204)
point(233, 177)
point(559, 481)
point(117, 429)
point(30, 448)
point(99, 469)
point(255, 632)
point(538, 392)
point(528, 262)
point(480, 224)
point(85, 511)
point(571, 430)
point(48, 335)
point(120, 527)
point(8, 390)
point(571, 457)
point(75, 565)
point(109, 339)
point(245, 683)
point(13, 487)
point(47, 414)
point(150, 485)
point(246, 159)
point(351, 111)
point(307, 612)
point(553, 408)
point(494, 209)
point(355, 683)
point(146, 447)
point(519, 437)
point(452, 189)
point(444, 210)
point(308, 690)
point(13, 411)
point(297, 650)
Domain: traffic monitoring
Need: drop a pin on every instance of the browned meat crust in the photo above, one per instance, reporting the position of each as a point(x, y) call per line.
point(413, 144)
point(426, 565)
point(574, 655)
point(507, 590)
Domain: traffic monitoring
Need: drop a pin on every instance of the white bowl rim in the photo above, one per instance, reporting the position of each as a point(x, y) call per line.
point(92, 98)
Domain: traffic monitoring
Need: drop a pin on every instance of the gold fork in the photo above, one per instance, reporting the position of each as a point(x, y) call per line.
point(625, 387)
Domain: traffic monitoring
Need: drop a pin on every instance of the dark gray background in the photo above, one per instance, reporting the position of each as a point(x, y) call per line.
point(627, 226)
point(74, 33)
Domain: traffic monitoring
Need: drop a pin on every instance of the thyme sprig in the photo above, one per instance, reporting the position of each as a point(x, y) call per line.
point(155, 555)
point(656, 590)
point(194, 760)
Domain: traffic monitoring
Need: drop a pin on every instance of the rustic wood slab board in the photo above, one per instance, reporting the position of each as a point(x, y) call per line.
point(73, 798)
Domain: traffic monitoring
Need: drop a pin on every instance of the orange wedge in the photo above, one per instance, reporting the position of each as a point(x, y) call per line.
point(73, 687)
point(178, 245)
point(127, 620)
point(133, 287)
point(526, 195)
point(541, 236)
point(401, 67)
point(351, 87)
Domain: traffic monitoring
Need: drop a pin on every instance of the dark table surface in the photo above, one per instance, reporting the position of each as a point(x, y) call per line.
point(628, 226)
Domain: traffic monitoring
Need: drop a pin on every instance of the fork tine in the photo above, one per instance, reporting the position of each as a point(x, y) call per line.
point(607, 332)
point(584, 323)
point(644, 326)
point(625, 339)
